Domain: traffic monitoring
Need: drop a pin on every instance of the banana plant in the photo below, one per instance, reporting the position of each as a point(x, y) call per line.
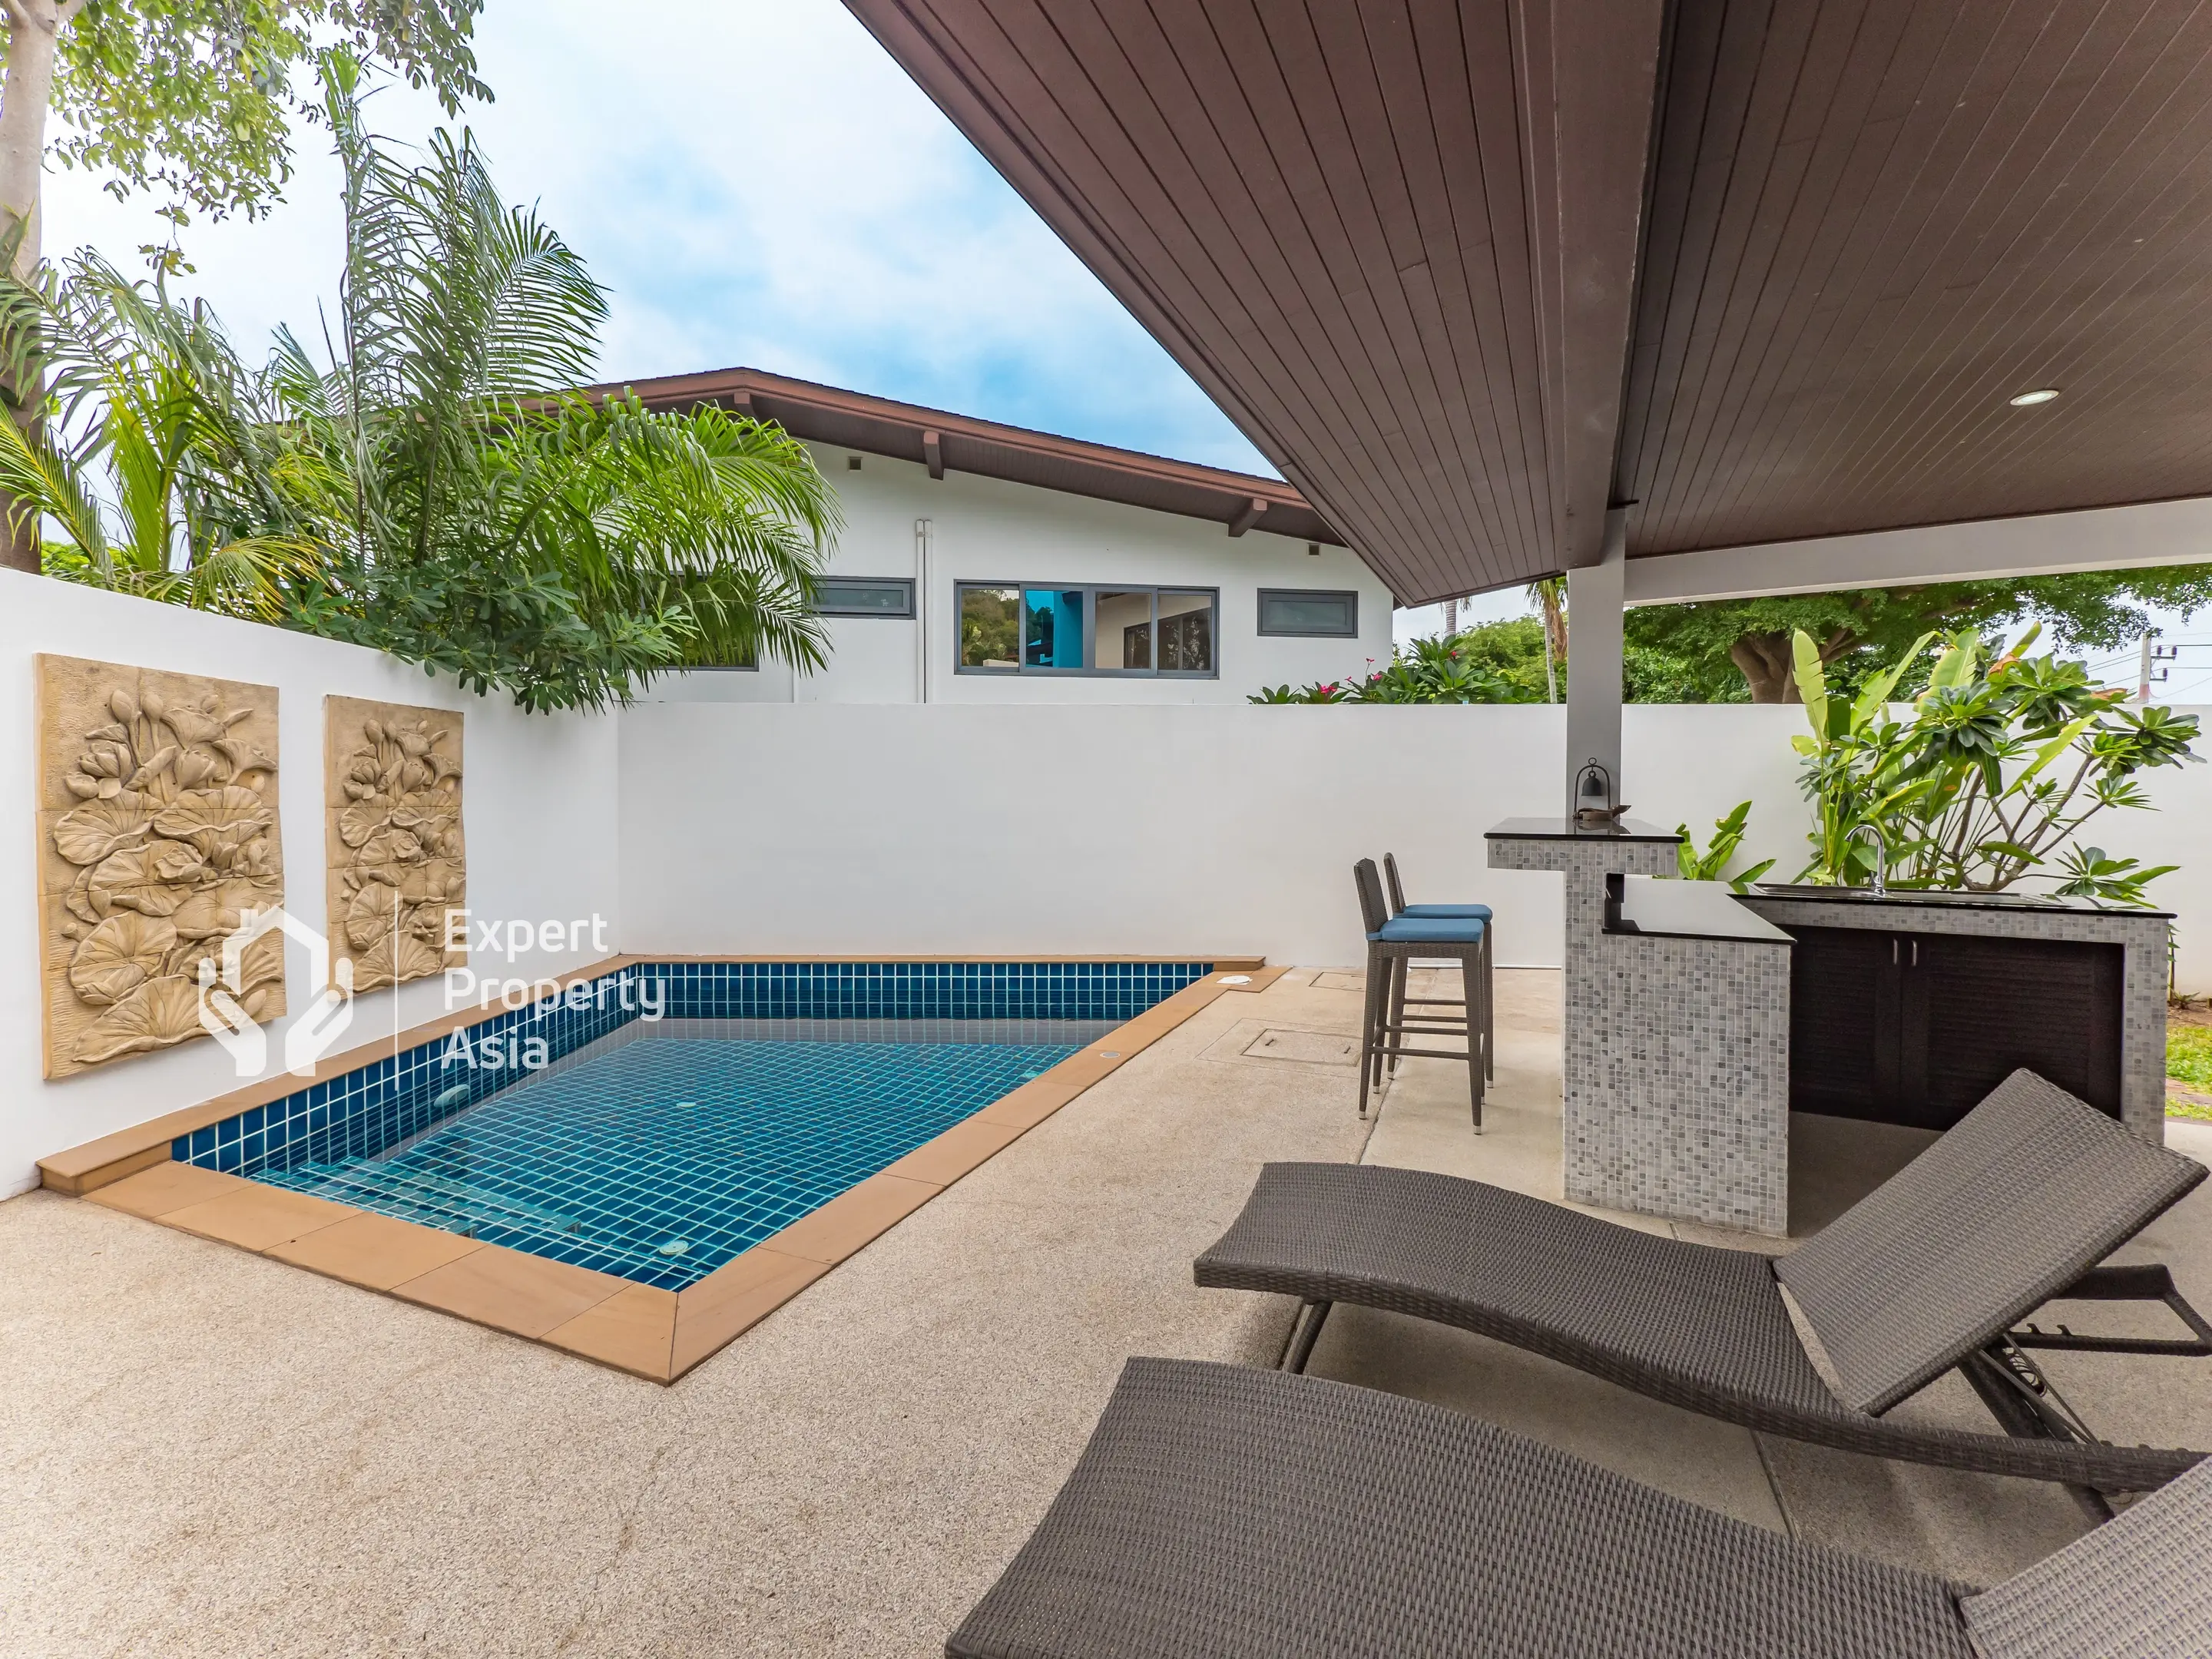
point(1711, 864)
point(1858, 768)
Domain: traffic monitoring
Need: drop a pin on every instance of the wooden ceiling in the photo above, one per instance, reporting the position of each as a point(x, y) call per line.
point(1344, 223)
point(1418, 248)
point(1874, 222)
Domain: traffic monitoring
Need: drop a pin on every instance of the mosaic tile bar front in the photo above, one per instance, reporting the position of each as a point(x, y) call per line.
point(377, 1106)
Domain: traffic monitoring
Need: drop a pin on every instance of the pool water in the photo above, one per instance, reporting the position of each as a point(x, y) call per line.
point(658, 1155)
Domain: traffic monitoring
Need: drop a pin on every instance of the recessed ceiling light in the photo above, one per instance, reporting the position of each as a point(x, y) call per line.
point(2029, 399)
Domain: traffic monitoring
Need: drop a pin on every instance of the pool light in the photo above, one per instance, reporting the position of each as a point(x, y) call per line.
point(2030, 399)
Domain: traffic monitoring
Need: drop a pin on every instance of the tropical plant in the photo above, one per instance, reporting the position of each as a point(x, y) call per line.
point(1438, 670)
point(422, 487)
point(1503, 661)
point(1318, 691)
point(1482, 664)
point(1711, 865)
point(1993, 775)
point(162, 463)
point(191, 96)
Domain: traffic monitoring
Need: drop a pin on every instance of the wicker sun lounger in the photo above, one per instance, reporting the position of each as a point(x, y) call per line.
point(1220, 1512)
point(2014, 1206)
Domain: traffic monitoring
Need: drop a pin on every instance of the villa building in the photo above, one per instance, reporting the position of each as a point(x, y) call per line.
point(989, 563)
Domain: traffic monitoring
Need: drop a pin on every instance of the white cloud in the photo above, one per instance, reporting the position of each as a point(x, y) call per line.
point(757, 182)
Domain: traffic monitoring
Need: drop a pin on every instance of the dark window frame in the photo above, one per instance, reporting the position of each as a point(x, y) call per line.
point(1349, 594)
point(824, 607)
point(1090, 591)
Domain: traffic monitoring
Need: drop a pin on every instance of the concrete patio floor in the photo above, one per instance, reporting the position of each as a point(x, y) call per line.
point(207, 1452)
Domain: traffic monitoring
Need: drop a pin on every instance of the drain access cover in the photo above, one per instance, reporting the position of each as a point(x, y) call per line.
point(1314, 1047)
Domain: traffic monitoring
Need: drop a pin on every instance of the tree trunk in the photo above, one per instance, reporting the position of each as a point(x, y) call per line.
point(34, 30)
point(1768, 664)
point(1547, 594)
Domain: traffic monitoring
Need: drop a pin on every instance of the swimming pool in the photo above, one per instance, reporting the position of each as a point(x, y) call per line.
point(656, 1122)
point(670, 1147)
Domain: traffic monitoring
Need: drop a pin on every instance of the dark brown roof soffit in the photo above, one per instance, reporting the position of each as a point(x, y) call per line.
point(1394, 242)
point(1874, 223)
point(947, 442)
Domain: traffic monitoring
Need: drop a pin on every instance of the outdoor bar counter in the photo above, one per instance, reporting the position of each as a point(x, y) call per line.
point(1696, 1020)
point(1675, 1063)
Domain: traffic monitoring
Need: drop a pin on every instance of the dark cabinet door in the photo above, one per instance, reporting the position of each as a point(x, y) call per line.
point(1976, 1010)
point(1843, 1022)
point(1916, 1029)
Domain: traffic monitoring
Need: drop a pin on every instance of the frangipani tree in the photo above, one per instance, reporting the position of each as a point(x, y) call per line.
point(1990, 778)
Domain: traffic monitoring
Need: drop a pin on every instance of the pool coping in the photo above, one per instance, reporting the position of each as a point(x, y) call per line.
point(641, 1330)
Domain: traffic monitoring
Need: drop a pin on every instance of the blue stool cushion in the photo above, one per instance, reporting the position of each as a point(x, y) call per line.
point(1431, 930)
point(1452, 912)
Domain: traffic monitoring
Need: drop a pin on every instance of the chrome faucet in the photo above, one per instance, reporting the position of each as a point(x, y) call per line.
point(1880, 888)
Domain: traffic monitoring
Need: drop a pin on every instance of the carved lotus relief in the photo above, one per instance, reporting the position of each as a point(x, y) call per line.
point(392, 839)
point(158, 832)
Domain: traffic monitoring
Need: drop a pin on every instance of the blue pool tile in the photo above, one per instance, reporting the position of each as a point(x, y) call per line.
point(660, 1160)
point(369, 1110)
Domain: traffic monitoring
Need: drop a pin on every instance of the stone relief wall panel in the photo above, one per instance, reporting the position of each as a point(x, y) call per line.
point(392, 800)
point(157, 837)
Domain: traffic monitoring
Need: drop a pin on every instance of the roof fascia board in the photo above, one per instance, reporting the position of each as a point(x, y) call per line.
point(806, 408)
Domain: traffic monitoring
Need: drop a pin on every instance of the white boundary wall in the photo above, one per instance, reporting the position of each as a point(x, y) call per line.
point(1064, 831)
point(541, 828)
point(822, 828)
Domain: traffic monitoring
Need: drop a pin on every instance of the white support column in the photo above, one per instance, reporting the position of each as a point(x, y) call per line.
point(1594, 596)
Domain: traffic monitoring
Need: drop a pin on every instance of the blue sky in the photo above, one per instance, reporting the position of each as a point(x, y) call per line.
point(757, 182)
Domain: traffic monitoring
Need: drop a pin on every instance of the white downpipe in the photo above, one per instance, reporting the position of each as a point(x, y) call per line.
point(924, 537)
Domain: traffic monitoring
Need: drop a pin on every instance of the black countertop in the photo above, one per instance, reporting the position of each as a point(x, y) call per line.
point(1663, 908)
point(1564, 829)
point(1918, 899)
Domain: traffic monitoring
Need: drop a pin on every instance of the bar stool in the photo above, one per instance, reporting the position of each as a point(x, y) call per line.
point(1449, 912)
point(1391, 941)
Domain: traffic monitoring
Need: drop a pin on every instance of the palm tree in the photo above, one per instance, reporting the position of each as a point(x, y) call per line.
point(161, 463)
point(422, 485)
point(1549, 595)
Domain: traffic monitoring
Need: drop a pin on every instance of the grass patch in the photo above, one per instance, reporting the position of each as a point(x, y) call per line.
point(2189, 1061)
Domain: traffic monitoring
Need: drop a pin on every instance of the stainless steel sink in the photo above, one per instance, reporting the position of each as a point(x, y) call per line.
point(1904, 896)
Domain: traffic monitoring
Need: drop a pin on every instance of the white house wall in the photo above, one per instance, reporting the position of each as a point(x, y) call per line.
point(986, 530)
